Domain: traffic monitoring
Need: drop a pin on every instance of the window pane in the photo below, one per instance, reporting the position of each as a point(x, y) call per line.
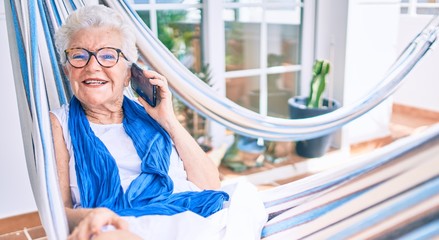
point(179, 1)
point(281, 87)
point(283, 41)
point(283, 44)
point(427, 11)
point(144, 15)
point(169, 1)
point(404, 10)
point(242, 1)
point(244, 91)
point(141, 1)
point(280, 1)
point(242, 33)
point(283, 34)
point(180, 31)
point(284, 16)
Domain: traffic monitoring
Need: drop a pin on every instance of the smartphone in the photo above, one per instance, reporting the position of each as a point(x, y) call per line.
point(141, 85)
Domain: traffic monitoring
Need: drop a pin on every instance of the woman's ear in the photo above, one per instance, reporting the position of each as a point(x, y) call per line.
point(66, 72)
point(127, 80)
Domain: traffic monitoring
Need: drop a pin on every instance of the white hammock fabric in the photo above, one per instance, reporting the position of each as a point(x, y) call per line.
point(341, 203)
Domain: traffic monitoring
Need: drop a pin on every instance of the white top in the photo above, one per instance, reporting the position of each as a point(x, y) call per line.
point(121, 147)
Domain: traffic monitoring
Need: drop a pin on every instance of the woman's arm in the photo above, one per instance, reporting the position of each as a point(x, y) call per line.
point(62, 163)
point(200, 169)
point(83, 222)
point(74, 216)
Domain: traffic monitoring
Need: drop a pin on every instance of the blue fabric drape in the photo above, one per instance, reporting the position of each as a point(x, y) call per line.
point(151, 192)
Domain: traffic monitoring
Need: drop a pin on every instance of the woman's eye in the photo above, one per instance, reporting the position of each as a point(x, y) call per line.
point(79, 57)
point(107, 57)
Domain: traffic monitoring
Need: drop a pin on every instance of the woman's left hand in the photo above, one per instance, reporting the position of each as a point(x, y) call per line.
point(94, 223)
point(163, 112)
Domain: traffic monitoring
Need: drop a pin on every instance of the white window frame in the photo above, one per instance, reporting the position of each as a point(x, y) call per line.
point(214, 42)
point(263, 70)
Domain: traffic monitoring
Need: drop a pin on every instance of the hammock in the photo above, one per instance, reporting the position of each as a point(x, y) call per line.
point(386, 195)
point(41, 86)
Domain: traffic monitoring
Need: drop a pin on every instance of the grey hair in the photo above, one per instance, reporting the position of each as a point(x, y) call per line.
point(96, 16)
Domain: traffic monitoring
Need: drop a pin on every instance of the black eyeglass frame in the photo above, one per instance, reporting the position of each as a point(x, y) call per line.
point(90, 53)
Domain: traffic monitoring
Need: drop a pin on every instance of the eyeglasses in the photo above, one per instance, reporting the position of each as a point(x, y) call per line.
point(107, 57)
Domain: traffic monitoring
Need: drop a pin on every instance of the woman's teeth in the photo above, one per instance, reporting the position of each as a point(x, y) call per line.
point(94, 82)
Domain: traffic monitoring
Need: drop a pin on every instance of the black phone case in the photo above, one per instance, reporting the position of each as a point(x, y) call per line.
point(141, 85)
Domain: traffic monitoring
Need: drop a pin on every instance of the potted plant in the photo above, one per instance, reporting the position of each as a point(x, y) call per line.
point(313, 105)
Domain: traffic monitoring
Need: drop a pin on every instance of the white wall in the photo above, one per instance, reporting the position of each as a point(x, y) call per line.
point(371, 49)
point(420, 88)
point(361, 47)
point(15, 190)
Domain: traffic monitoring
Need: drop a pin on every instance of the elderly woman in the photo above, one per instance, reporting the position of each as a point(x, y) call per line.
point(116, 156)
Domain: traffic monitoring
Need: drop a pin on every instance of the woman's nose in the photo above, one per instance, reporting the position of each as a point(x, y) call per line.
point(93, 63)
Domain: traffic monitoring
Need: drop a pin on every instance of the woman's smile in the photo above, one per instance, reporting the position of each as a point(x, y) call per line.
point(94, 82)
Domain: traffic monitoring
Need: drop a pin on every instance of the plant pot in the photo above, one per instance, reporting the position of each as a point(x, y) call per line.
point(315, 147)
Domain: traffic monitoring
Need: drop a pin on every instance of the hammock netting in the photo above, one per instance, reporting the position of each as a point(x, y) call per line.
point(391, 193)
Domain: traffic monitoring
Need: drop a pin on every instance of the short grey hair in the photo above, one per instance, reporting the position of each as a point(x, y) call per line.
point(96, 16)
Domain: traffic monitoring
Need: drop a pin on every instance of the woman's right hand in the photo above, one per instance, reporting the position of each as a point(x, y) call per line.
point(163, 112)
point(93, 223)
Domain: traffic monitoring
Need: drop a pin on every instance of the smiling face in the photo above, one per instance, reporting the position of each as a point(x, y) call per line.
point(97, 87)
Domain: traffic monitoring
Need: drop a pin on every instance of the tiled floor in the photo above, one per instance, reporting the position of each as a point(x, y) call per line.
point(405, 121)
point(34, 233)
point(22, 227)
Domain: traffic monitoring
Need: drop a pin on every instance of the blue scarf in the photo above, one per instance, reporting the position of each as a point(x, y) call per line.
point(151, 192)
